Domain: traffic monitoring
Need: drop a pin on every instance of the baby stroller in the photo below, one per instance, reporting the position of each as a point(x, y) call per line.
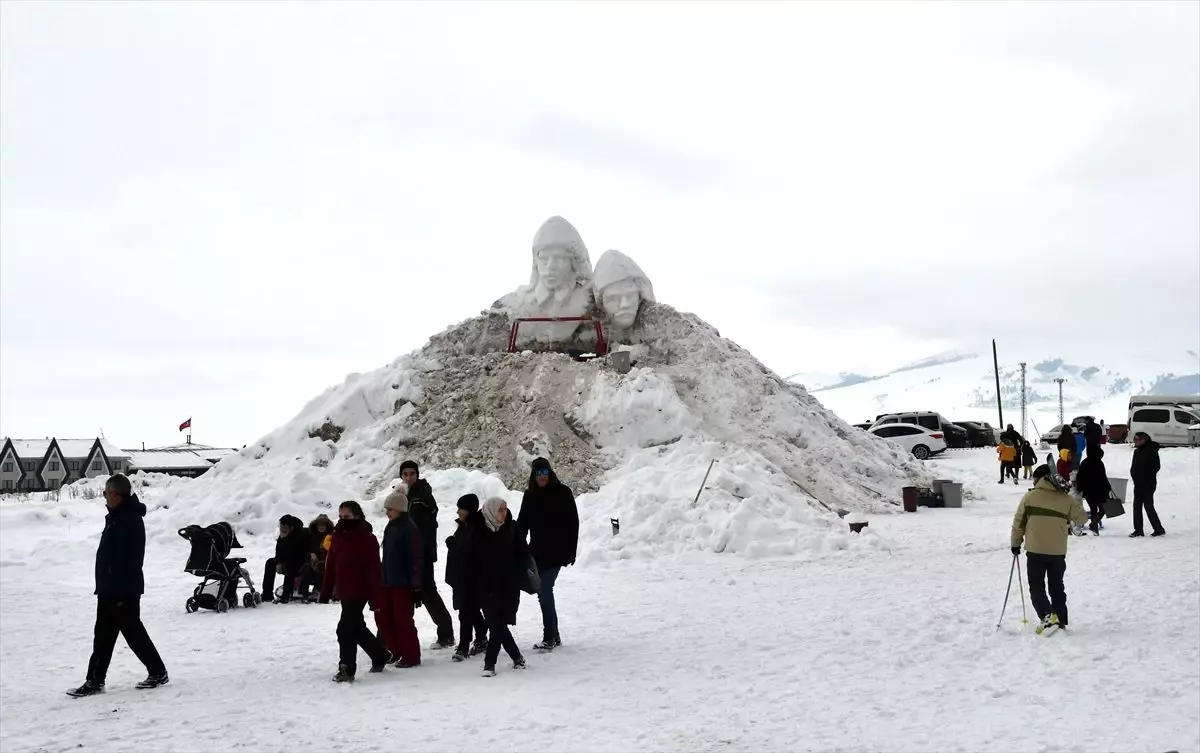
point(219, 573)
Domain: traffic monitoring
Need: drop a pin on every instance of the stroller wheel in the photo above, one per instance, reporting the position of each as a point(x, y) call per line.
point(191, 605)
point(222, 606)
point(248, 601)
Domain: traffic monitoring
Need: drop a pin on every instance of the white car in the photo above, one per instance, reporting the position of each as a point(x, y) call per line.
point(918, 440)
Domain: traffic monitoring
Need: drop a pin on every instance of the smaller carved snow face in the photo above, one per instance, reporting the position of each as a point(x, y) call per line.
point(621, 300)
point(556, 267)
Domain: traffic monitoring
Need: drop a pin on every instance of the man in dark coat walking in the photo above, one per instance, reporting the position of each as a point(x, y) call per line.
point(1093, 435)
point(549, 515)
point(119, 588)
point(1144, 474)
point(423, 509)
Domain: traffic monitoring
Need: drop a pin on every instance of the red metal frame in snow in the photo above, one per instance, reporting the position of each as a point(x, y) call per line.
point(601, 344)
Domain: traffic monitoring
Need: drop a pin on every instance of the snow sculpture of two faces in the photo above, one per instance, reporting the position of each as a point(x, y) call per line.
point(562, 284)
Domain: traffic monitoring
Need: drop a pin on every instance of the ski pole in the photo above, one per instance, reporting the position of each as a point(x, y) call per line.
point(1007, 592)
point(1021, 585)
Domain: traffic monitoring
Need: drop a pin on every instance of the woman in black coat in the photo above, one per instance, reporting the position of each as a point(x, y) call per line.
point(465, 599)
point(550, 517)
point(498, 559)
point(1092, 482)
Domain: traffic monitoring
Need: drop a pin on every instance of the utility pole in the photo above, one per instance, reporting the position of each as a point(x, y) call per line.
point(996, 366)
point(1024, 404)
point(1061, 418)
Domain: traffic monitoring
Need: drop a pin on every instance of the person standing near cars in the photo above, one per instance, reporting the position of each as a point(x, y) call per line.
point(1144, 474)
point(549, 515)
point(120, 584)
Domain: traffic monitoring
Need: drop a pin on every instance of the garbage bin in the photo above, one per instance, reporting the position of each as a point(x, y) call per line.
point(937, 485)
point(910, 498)
point(1119, 486)
point(952, 494)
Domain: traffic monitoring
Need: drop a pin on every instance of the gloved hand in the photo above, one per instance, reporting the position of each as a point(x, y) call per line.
point(1016, 550)
point(416, 597)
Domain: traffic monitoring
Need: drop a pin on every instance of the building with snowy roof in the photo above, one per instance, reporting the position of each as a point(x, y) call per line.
point(38, 465)
point(47, 464)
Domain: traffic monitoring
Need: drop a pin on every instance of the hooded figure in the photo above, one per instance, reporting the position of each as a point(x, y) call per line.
point(461, 547)
point(497, 563)
point(619, 287)
point(293, 549)
point(1092, 483)
point(559, 285)
point(550, 516)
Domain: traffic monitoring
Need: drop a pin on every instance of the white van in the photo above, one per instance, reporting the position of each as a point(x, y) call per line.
point(1166, 424)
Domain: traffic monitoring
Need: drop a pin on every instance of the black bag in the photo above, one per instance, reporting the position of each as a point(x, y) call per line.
point(531, 582)
point(1113, 507)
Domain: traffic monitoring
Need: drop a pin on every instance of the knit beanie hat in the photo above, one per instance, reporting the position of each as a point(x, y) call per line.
point(468, 502)
point(491, 513)
point(397, 501)
point(409, 464)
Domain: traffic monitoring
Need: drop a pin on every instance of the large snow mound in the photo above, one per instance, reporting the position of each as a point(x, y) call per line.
point(634, 446)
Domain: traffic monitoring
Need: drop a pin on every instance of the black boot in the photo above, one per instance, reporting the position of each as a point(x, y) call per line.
point(345, 673)
point(153, 681)
point(478, 647)
point(86, 689)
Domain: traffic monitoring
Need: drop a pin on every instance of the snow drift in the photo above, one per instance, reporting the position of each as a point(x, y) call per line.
point(634, 446)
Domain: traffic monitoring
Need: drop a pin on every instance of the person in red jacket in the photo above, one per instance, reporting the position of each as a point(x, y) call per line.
point(352, 568)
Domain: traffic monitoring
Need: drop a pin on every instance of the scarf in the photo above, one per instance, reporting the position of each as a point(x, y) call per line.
point(491, 513)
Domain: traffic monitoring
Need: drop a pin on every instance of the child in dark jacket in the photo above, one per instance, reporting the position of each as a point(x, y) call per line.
point(403, 560)
point(1028, 458)
point(466, 597)
point(498, 563)
point(1093, 485)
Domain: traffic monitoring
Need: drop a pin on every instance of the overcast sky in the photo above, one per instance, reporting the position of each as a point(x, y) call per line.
point(217, 210)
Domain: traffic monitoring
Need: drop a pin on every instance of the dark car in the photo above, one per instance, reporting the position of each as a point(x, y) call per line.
point(977, 434)
point(956, 436)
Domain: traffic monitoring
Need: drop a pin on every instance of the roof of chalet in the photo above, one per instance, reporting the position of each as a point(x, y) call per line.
point(71, 449)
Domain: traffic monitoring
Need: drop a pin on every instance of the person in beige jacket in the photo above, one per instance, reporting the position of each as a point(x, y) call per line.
point(1042, 523)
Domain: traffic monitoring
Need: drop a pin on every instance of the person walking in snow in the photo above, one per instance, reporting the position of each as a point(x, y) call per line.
point(293, 549)
point(1093, 435)
point(1028, 458)
point(1093, 486)
point(352, 568)
point(1143, 471)
point(498, 559)
point(459, 550)
point(401, 593)
point(120, 584)
point(424, 510)
point(549, 515)
point(1041, 524)
point(1007, 452)
point(1066, 441)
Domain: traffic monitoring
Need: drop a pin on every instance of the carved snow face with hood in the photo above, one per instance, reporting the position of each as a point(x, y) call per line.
point(560, 262)
point(620, 286)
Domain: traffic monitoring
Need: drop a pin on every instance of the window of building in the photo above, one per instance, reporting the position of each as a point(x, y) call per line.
point(8, 467)
point(96, 465)
point(28, 465)
point(73, 465)
point(53, 466)
point(9, 485)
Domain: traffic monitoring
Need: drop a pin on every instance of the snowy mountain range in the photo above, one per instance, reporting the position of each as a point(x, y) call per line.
point(961, 385)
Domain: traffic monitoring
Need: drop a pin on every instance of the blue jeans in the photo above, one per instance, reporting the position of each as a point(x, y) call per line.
point(546, 600)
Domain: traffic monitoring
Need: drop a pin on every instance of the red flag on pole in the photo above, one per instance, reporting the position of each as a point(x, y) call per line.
point(186, 425)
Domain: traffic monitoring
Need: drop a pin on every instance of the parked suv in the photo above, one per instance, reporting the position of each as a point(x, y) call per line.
point(979, 435)
point(1168, 425)
point(955, 435)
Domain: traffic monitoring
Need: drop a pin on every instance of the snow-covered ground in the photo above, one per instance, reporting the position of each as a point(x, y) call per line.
point(885, 643)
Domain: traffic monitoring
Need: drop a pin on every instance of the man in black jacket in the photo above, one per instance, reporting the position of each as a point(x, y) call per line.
point(549, 515)
point(293, 550)
point(119, 588)
point(423, 509)
point(1092, 435)
point(1144, 474)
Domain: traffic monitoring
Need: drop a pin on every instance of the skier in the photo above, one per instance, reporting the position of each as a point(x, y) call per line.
point(1028, 458)
point(549, 514)
point(1008, 458)
point(423, 509)
point(1093, 486)
point(401, 592)
point(498, 560)
point(1144, 474)
point(293, 549)
point(459, 549)
point(119, 587)
point(352, 568)
point(1041, 524)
